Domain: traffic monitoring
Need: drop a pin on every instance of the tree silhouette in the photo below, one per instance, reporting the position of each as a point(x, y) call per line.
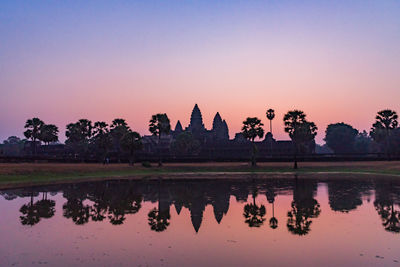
point(362, 143)
point(119, 128)
point(273, 222)
point(300, 131)
point(158, 221)
point(75, 210)
point(340, 137)
point(270, 193)
point(385, 196)
point(101, 139)
point(12, 140)
point(98, 210)
point(159, 124)
point(131, 142)
point(30, 213)
point(33, 131)
point(49, 133)
point(386, 122)
point(254, 214)
point(116, 216)
point(345, 195)
point(252, 128)
point(46, 207)
point(298, 220)
point(122, 205)
point(303, 208)
point(270, 116)
point(390, 217)
point(79, 135)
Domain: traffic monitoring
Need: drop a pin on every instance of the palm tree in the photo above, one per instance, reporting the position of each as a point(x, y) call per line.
point(386, 122)
point(79, 135)
point(102, 139)
point(33, 127)
point(159, 124)
point(131, 142)
point(253, 213)
point(119, 128)
point(300, 131)
point(252, 128)
point(270, 116)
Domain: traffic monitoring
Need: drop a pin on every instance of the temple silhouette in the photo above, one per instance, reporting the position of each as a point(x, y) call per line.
point(214, 143)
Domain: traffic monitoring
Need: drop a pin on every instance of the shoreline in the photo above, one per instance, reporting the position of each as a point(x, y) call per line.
point(28, 175)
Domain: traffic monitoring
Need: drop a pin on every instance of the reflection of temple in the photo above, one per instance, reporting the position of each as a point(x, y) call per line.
point(214, 143)
point(113, 201)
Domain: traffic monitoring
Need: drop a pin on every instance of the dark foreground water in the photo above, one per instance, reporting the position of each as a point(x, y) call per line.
point(333, 221)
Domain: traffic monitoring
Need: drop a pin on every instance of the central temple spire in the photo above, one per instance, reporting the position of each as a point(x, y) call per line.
point(196, 117)
point(196, 120)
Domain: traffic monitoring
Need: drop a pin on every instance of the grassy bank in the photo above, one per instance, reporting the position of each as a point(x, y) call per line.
point(45, 173)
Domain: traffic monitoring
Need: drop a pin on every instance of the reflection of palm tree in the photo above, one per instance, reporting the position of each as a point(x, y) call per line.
point(158, 221)
point(386, 195)
point(75, 209)
point(304, 207)
point(30, 213)
point(120, 207)
point(116, 217)
point(46, 207)
point(298, 222)
point(254, 214)
point(98, 211)
point(134, 205)
point(273, 222)
point(390, 217)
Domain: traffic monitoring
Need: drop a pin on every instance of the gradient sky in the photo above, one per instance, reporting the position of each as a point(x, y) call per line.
point(66, 60)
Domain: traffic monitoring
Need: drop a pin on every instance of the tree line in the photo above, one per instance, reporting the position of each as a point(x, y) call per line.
point(85, 138)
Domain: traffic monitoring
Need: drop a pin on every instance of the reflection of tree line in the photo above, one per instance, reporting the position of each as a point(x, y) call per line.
point(113, 201)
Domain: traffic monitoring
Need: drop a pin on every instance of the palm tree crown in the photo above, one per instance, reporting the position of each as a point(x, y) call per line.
point(270, 116)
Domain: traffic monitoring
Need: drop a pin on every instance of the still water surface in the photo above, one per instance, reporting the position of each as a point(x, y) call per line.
point(337, 221)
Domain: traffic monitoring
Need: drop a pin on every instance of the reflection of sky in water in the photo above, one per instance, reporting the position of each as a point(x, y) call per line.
point(334, 222)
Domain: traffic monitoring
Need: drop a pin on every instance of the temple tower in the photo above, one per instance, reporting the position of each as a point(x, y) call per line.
point(220, 128)
point(196, 125)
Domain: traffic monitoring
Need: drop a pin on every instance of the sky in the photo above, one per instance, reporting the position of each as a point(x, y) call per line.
point(61, 61)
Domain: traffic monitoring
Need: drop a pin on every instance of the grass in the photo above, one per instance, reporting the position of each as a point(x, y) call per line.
point(23, 174)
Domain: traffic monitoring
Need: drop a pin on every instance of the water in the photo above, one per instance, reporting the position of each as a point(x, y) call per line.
point(326, 221)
